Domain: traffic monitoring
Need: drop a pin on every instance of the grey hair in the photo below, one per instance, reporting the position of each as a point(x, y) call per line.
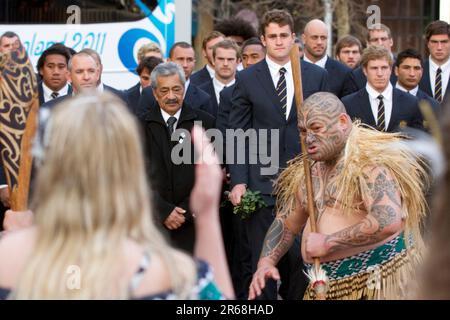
point(164, 70)
point(79, 54)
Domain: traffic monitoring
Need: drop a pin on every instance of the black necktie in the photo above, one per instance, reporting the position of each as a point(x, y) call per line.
point(281, 90)
point(170, 124)
point(438, 85)
point(380, 119)
point(54, 95)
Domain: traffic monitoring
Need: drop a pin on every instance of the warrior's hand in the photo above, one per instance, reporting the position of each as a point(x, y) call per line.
point(264, 272)
point(316, 245)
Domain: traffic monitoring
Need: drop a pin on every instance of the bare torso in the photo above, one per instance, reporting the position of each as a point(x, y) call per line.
point(330, 217)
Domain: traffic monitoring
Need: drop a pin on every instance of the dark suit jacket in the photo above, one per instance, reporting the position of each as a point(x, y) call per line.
point(405, 110)
point(223, 113)
point(171, 183)
point(194, 97)
point(133, 95)
point(356, 80)
point(337, 72)
point(200, 77)
point(426, 85)
point(51, 103)
point(41, 93)
point(421, 95)
point(255, 104)
point(208, 87)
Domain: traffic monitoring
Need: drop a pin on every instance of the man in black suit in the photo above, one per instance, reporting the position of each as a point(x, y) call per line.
point(226, 57)
point(52, 67)
point(409, 71)
point(348, 51)
point(379, 104)
point(437, 67)
point(378, 34)
point(207, 72)
point(171, 181)
point(144, 69)
point(315, 38)
point(263, 103)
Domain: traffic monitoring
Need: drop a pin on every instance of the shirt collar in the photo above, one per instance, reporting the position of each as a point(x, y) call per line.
point(275, 67)
point(166, 116)
point(219, 85)
point(101, 87)
point(186, 86)
point(211, 71)
point(412, 91)
point(48, 92)
point(321, 62)
point(373, 94)
point(434, 66)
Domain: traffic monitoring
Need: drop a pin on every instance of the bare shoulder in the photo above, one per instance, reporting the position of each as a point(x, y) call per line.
point(15, 248)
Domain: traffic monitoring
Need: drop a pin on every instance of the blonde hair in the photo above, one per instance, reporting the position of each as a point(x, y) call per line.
point(91, 196)
point(148, 47)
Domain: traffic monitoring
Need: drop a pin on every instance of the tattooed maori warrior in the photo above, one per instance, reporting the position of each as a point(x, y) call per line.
point(368, 196)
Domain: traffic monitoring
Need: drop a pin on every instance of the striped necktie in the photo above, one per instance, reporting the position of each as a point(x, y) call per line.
point(381, 125)
point(438, 85)
point(54, 95)
point(281, 90)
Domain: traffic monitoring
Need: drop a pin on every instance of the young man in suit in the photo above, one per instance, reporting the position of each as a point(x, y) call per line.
point(437, 67)
point(207, 72)
point(226, 57)
point(172, 182)
point(378, 34)
point(379, 104)
point(348, 51)
point(409, 71)
point(52, 67)
point(263, 101)
point(144, 69)
point(315, 37)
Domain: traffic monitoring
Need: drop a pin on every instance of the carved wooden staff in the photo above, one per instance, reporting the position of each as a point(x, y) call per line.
point(19, 105)
point(316, 274)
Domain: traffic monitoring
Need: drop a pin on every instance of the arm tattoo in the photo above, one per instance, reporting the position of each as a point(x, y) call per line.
point(277, 242)
point(383, 210)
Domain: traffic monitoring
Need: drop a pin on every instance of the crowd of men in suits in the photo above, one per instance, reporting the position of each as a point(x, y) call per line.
point(246, 84)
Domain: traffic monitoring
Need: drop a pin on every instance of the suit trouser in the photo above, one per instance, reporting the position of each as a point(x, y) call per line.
point(290, 266)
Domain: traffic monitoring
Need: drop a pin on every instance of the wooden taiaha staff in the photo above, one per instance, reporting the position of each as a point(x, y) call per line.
point(19, 106)
point(316, 275)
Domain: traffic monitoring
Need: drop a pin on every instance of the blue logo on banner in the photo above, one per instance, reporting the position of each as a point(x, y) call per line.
point(129, 38)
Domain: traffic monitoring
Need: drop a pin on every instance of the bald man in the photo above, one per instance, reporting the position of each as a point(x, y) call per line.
point(368, 230)
point(315, 37)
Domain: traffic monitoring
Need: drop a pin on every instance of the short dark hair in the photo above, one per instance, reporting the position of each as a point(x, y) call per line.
point(437, 27)
point(148, 63)
point(57, 48)
point(280, 17)
point(227, 44)
point(8, 34)
point(236, 27)
point(250, 42)
point(348, 41)
point(181, 44)
point(408, 53)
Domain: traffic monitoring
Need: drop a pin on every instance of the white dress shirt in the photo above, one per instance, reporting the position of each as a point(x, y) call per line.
point(218, 87)
point(444, 75)
point(48, 92)
point(166, 117)
point(387, 100)
point(274, 69)
point(186, 86)
point(321, 63)
point(412, 91)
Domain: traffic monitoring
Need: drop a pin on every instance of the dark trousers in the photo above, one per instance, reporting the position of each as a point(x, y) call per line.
point(293, 282)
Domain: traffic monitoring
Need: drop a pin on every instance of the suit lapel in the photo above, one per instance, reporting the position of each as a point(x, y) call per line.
point(160, 134)
point(396, 105)
point(366, 109)
point(265, 79)
point(426, 81)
